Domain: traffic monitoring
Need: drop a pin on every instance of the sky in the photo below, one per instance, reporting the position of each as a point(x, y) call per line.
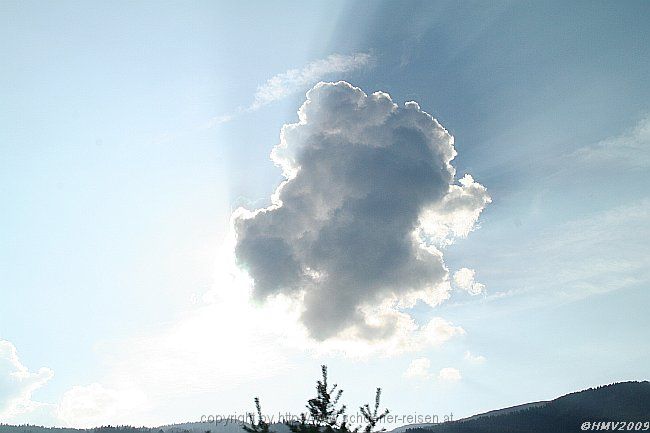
point(203, 202)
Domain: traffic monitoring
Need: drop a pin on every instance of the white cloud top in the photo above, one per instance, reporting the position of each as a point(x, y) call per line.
point(464, 280)
point(449, 374)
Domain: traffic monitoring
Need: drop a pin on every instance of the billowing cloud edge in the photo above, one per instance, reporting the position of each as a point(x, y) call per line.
point(310, 196)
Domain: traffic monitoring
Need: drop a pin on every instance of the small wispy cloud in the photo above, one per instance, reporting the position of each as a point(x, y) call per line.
point(474, 359)
point(418, 369)
point(218, 120)
point(18, 383)
point(294, 80)
point(631, 148)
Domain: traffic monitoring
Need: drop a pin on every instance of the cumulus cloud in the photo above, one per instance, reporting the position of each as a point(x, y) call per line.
point(294, 80)
point(464, 280)
point(455, 216)
point(95, 404)
point(449, 374)
point(418, 369)
point(17, 383)
point(359, 225)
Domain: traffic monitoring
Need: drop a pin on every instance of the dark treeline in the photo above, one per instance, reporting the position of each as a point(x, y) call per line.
point(622, 402)
point(27, 428)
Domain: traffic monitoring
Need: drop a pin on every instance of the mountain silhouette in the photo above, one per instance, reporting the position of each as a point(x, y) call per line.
point(617, 403)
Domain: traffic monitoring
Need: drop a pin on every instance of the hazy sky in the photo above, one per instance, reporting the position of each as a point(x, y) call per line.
point(131, 132)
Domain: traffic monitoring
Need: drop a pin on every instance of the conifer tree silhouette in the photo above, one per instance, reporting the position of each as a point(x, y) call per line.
point(260, 426)
point(324, 410)
point(371, 417)
point(325, 413)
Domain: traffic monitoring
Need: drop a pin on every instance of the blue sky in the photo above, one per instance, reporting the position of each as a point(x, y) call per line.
point(129, 134)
